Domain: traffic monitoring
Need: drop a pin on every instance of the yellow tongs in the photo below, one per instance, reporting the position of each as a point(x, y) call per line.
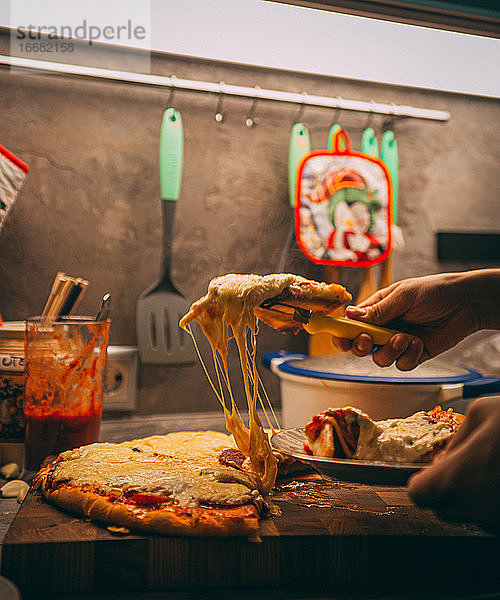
point(340, 327)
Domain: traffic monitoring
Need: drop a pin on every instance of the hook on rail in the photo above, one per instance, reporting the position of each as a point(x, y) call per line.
point(170, 101)
point(252, 120)
point(219, 113)
point(300, 113)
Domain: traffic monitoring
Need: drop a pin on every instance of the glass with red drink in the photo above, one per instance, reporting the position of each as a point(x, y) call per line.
point(63, 385)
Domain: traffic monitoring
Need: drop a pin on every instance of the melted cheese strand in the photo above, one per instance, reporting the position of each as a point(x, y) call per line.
point(252, 441)
point(227, 415)
point(261, 454)
point(188, 329)
point(259, 381)
point(278, 426)
point(225, 374)
point(232, 301)
point(220, 398)
point(250, 358)
point(218, 372)
point(233, 420)
point(268, 401)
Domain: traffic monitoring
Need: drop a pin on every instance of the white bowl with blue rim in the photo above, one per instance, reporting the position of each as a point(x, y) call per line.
point(310, 385)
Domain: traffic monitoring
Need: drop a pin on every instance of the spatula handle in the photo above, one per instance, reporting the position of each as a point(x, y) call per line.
point(171, 161)
point(389, 154)
point(331, 135)
point(349, 329)
point(369, 143)
point(171, 154)
point(300, 145)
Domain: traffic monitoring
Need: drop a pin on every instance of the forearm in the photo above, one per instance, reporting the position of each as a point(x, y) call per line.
point(480, 291)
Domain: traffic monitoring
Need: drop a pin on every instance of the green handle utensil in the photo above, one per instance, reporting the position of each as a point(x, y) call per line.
point(320, 342)
point(171, 154)
point(160, 306)
point(331, 134)
point(389, 154)
point(300, 145)
point(369, 143)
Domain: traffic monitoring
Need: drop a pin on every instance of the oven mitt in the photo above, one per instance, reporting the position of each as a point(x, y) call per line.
point(343, 206)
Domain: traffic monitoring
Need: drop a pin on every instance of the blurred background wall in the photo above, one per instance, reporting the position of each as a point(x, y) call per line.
point(91, 203)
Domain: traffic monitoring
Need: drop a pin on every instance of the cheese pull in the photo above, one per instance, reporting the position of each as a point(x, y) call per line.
point(342, 327)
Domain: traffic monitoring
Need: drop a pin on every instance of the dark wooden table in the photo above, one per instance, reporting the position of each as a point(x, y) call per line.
point(332, 540)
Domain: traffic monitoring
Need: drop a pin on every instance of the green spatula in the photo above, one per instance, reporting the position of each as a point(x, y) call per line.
point(299, 146)
point(160, 307)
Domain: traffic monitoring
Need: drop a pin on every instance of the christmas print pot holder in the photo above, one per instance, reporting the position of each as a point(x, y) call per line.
point(343, 206)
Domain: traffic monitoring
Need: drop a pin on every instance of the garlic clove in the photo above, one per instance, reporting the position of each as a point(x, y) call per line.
point(12, 488)
point(21, 494)
point(9, 470)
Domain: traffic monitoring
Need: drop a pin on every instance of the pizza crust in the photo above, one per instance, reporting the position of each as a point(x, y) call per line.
point(223, 522)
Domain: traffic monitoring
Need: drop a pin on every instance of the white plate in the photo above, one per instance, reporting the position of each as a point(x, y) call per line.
point(291, 443)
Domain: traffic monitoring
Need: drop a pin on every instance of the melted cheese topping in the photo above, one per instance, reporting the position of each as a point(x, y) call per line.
point(403, 440)
point(233, 302)
point(189, 478)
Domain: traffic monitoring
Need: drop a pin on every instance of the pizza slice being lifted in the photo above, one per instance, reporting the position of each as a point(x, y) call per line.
point(231, 308)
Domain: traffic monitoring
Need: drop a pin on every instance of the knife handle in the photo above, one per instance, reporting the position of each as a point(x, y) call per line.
point(349, 329)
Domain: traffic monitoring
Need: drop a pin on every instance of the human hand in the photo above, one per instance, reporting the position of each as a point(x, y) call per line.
point(433, 308)
point(463, 484)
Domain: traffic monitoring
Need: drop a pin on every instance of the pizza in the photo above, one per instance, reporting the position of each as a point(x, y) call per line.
point(197, 483)
point(184, 483)
point(235, 300)
point(231, 308)
point(350, 433)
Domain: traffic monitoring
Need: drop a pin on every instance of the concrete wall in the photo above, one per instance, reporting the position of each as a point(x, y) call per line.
point(91, 203)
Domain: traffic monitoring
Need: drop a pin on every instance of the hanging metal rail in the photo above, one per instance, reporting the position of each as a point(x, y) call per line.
point(256, 93)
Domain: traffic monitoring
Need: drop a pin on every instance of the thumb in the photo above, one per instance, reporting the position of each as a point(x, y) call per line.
point(381, 312)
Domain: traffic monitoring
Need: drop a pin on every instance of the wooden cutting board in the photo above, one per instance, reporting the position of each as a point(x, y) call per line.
point(329, 534)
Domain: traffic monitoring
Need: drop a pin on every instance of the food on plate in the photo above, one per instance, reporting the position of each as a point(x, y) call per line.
point(234, 302)
point(350, 433)
point(184, 483)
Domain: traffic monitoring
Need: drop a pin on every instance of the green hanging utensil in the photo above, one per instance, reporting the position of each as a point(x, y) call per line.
point(160, 307)
point(321, 343)
point(171, 155)
point(389, 154)
point(333, 130)
point(299, 146)
point(369, 145)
